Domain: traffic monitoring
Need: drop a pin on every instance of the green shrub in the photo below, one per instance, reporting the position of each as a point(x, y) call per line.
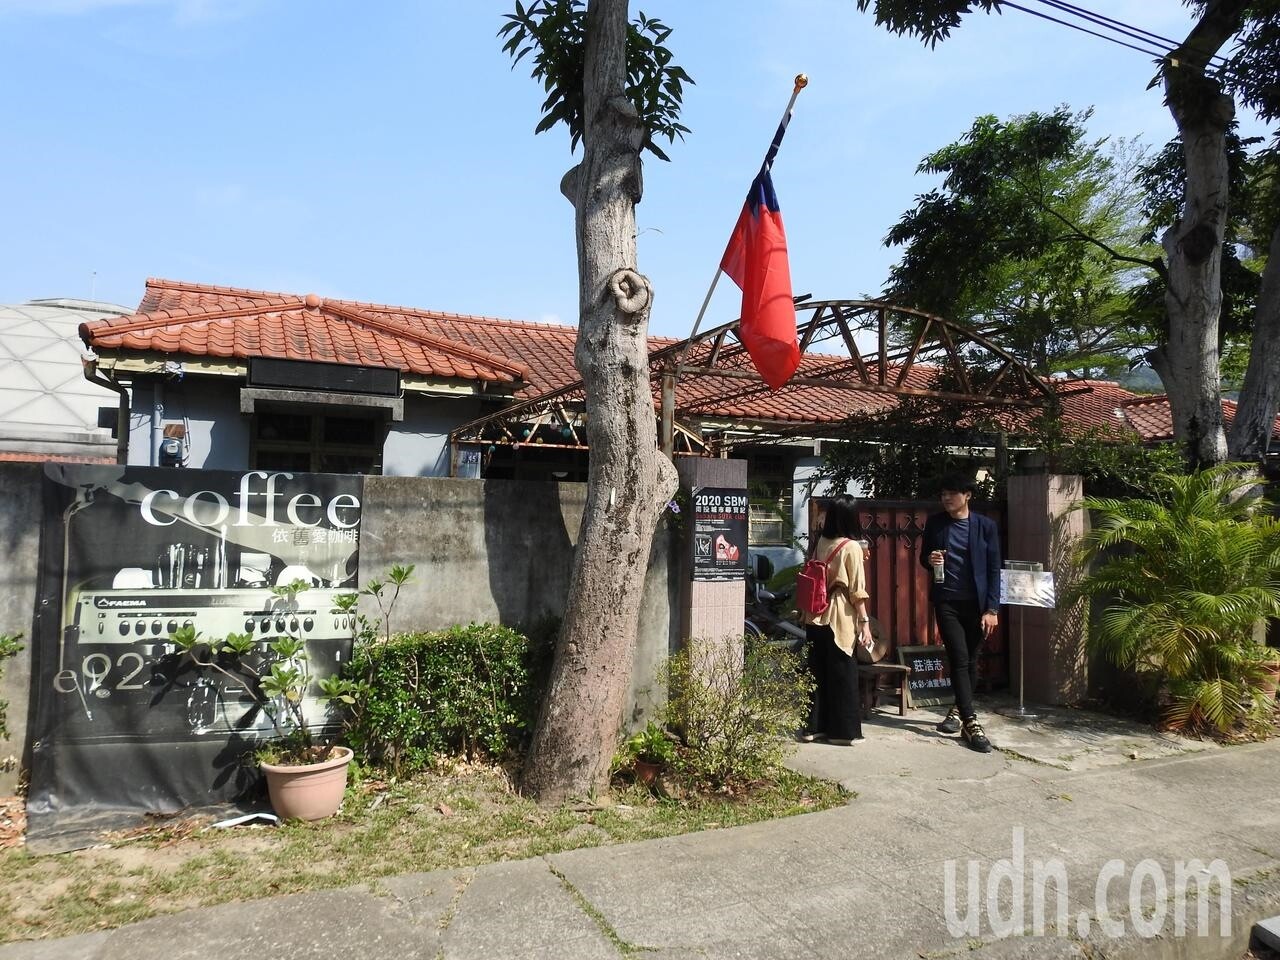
point(466, 691)
point(1185, 576)
point(736, 711)
point(9, 646)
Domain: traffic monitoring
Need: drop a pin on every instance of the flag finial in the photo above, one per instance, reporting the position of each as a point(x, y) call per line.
point(802, 81)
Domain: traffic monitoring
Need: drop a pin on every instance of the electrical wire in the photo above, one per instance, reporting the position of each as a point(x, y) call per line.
point(1151, 40)
point(1128, 29)
point(1158, 54)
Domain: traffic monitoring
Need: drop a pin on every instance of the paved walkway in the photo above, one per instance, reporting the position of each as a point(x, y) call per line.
point(1073, 792)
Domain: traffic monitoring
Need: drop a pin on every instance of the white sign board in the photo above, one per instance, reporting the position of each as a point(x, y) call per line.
point(1026, 588)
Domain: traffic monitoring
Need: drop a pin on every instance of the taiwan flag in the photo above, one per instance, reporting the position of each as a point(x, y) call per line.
point(756, 260)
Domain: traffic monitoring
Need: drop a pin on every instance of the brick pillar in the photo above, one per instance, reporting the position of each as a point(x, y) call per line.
point(1044, 528)
point(709, 609)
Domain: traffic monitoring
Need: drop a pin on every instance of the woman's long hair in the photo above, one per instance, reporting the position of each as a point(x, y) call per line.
point(841, 519)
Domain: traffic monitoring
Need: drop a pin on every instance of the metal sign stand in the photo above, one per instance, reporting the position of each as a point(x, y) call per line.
point(1021, 712)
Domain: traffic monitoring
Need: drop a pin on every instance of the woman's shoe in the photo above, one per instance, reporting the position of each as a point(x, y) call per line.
point(840, 742)
point(808, 736)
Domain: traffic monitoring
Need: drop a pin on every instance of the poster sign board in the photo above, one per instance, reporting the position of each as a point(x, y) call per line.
point(929, 683)
point(124, 721)
point(1027, 588)
point(719, 535)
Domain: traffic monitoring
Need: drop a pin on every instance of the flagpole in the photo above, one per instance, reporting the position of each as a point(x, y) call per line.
point(801, 82)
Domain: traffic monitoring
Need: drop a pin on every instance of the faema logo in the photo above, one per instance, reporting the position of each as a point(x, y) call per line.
point(257, 502)
point(109, 602)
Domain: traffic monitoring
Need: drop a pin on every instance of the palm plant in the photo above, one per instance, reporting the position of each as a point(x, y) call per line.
point(1186, 575)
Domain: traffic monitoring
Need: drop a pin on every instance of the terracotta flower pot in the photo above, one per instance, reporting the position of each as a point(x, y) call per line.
point(1271, 681)
point(308, 791)
point(646, 771)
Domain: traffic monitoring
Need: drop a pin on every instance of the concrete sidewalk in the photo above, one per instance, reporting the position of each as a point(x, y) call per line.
point(866, 880)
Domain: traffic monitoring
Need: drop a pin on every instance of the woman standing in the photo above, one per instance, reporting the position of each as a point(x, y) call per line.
point(833, 633)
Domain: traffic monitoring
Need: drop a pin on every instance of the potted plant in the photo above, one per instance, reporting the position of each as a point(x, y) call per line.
point(1265, 663)
point(647, 752)
point(306, 779)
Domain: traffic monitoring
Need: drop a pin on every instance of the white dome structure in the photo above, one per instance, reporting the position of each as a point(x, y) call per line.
point(48, 410)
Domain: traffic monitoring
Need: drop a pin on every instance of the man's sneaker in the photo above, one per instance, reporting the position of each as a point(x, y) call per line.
point(974, 736)
point(951, 722)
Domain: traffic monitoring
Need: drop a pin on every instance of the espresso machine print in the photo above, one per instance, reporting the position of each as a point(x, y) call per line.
point(143, 561)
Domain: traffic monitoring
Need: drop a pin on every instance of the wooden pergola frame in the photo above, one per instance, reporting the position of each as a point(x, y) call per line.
point(938, 351)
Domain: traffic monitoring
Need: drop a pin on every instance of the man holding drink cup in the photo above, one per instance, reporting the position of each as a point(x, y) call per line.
point(961, 550)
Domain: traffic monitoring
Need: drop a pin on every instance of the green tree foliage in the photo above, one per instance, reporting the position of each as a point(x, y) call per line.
point(902, 452)
point(1201, 85)
point(554, 31)
point(1031, 238)
point(1185, 576)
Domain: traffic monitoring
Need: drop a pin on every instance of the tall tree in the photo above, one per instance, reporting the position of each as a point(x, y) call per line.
point(1032, 238)
point(614, 85)
point(1199, 97)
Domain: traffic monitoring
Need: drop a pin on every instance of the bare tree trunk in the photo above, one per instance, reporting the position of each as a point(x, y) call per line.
point(1193, 296)
point(629, 482)
point(1188, 360)
point(1260, 396)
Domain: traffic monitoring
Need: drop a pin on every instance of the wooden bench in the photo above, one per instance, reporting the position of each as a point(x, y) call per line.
point(878, 681)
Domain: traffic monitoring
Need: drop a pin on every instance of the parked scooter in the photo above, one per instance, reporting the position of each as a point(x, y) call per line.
point(765, 617)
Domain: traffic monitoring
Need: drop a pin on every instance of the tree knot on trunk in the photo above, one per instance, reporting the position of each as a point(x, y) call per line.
point(630, 291)
point(1198, 242)
point(570, 183)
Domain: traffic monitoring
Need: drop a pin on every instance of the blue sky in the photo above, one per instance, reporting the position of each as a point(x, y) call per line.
point(385, 151)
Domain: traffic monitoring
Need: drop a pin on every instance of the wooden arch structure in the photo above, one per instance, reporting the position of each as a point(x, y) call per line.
point(910, 353)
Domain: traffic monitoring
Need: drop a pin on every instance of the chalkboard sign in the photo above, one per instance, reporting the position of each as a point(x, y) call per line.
point(929, 682)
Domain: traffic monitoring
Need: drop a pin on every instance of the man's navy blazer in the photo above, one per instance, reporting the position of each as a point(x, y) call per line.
point(984, 555)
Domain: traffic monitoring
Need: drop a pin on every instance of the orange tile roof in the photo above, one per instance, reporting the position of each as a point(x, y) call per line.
point(15, 456)
point(206, 321)
point(195, 319)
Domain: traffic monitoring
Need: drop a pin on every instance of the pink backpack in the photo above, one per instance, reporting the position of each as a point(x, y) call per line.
point(811, 583)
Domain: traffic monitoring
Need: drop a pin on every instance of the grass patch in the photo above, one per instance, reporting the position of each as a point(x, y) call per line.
point(463, 816)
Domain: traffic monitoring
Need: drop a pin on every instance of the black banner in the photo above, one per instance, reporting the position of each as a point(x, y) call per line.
point(123, 724)
point(719, 534)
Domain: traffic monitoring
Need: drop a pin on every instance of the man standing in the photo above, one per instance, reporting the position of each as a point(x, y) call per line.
point(966, 598)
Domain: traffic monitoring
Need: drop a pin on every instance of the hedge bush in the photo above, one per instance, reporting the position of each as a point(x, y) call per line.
point(467, 691)
point(737, 710)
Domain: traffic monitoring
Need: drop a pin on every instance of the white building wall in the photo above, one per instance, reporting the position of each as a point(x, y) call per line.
point(418, 446)
point(217, 432)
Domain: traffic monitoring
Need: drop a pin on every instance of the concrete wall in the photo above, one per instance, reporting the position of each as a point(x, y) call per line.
point(1043, 528)
point(492, 550)
point(500, 551)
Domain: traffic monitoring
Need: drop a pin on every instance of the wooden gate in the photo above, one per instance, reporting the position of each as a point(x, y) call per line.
point(899, 586)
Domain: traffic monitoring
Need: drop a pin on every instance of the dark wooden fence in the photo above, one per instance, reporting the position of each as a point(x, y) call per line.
point(899, 586)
